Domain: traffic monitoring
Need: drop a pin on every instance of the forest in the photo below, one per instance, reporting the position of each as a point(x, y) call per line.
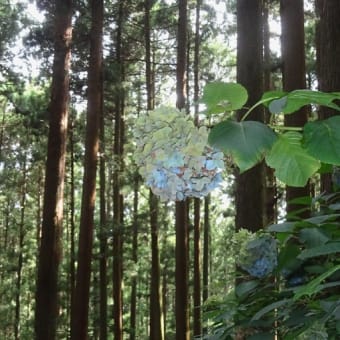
point(169, 169)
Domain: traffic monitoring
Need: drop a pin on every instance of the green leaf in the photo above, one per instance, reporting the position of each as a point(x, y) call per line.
point(246, 142)
point(244, 288)
point(295, 100)
point(326, 249)
point(270, 308)
point(292, 164)
point(282, 227)
point(313, 286)
point(278, 105)
point(222, 97)
point(288, 260)
point(322, 139)
point(313, 237)
point(262, 336)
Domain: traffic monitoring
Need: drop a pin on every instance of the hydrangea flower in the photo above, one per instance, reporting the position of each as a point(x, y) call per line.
point(173, 155)
point(259, 256)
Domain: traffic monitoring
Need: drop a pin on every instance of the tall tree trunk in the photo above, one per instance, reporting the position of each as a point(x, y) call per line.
point(117, 198)
point(328, 56)
point(156, 311)
point(20, 254)
point(46, 311)
point(72, 273)
point(80, 304)
point(294, 70)
point(270, 193)
point(181, 225)
point(102, 231)
point(133, 300)
point(250, 185)
point(197, 327)
point(206, 247)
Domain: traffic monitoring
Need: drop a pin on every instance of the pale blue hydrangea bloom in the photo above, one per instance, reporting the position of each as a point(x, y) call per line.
point(174, 157)
point(260, 257)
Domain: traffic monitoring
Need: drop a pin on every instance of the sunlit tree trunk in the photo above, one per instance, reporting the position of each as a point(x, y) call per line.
point(328, 56)
point(46, 311)
point(250, 185)
point(294, 70)
point(80, 303)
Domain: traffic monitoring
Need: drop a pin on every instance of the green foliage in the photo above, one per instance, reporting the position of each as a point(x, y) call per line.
point(292, 164)
point(322, 139)
point(294, 153)
point(221, 97)
point(301, 299)
point(246, 142)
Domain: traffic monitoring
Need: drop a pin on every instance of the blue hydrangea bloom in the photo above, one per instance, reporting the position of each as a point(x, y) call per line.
point(261, 256)
point(260, 268)
point(296, 280)
point(173, 155)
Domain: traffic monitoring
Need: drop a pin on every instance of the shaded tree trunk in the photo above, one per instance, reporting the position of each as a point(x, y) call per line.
point(117, 198)
point(156, 310)
point(181, 224)
point(328, 54)
point(133, 300)
point(46, 311)
point(20, 254)
point(80, 303)
point(271, 190)
point(197, 327)
point(102, 231)
point(206, 247)
point(293, 57)
point(72, 273)
point(250, 185)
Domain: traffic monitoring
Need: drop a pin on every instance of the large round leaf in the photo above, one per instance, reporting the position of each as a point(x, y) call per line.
point(322, 139)
point(292, 164)
point(223, 97)
point(246, 142)
point(293, 101)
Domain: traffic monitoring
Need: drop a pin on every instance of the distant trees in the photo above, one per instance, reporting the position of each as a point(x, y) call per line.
point(135, 268)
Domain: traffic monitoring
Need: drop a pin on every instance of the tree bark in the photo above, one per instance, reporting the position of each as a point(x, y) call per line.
point(328, 54)
point(156, 310)
point(80, 304)
point(197, 324)
point(133, 299)
point(50, 249)
point(294, 70)
point(181, 224)
point(250, 185)
point(103, 230)
point(117, 265)
point(20, 254)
